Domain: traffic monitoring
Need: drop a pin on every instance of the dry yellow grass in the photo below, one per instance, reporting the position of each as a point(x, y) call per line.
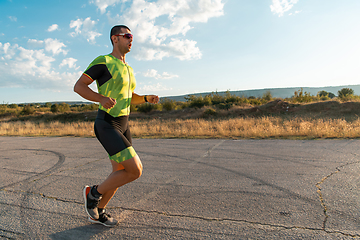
point(20, 128)
point(265, 127)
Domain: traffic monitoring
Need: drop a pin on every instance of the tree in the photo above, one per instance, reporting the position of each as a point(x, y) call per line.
point(54, 108)
point(267, 96)
point(345, 93)
point(323, 94)
point(48, 104)
point(168, 104)
point(301, 96)
point(27, 110)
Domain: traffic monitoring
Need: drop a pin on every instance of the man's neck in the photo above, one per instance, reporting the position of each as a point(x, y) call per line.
point(119, 55)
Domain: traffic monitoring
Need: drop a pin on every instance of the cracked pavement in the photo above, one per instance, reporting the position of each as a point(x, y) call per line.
point(190, 189)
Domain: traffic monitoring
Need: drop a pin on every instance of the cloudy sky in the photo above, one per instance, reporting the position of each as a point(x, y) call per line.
point(180, 46)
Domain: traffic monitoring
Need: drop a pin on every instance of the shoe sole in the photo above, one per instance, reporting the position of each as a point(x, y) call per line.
point(86, 192)
point(97, 221)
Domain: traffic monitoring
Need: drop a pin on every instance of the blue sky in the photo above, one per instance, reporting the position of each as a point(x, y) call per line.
point(180, 46)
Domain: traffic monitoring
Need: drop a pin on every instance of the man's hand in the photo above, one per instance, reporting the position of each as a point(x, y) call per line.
point(108, 102)
point(152, 99)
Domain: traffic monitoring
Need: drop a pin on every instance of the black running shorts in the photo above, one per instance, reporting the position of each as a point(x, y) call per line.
point(114, 135)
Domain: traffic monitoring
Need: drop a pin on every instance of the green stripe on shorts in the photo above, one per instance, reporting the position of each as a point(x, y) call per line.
point(124, 155)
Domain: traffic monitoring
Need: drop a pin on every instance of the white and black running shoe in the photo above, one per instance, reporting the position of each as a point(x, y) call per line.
point(91, 203)
point(104, 219)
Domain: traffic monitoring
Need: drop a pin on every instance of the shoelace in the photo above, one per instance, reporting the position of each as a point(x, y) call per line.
point(104, 216)
point(93, 203)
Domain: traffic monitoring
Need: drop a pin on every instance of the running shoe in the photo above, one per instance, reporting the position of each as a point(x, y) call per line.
point(91, 203)
point(104, 219)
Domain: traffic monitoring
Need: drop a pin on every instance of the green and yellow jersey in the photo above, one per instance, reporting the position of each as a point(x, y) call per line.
point(114, 79)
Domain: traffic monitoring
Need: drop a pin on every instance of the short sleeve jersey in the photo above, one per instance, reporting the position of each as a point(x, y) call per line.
point(114, 79)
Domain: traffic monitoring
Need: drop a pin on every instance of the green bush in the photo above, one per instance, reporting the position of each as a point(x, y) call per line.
point(209, 112)
point(198, 102)
point(255, 101)
point(301, 96)
point(168, 104)
point(324, 95)
point(226, 106)
point(48, 104)
point(13, 105)
point(27, 110)
point(63, 107)
point(89, 107)
point(216, 98)
point(145, 107)
point(346, 94)
point(54, 108)
point(267, 97)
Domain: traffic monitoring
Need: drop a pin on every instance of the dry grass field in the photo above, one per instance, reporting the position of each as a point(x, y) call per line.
point(275, 119)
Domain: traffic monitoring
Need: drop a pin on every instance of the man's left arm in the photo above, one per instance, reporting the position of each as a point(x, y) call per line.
point(139, 99)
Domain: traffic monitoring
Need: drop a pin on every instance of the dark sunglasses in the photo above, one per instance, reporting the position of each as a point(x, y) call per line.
point(125, 35)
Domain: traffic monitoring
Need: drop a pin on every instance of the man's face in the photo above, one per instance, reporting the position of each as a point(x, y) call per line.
point(123, 40)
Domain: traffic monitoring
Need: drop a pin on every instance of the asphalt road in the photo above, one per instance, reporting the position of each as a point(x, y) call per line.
point(190, 189)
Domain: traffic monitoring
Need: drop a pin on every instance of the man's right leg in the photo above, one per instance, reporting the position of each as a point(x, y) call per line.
point(132, 171)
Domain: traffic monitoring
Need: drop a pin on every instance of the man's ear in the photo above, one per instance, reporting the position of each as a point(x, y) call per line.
point(114, 38)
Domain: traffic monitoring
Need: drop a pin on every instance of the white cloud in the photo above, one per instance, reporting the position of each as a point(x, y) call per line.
point(103, 4)
point(85, 28)
point(279, 7)
point(33, 43)
point(53, 28)
point(54, 46)
point(70, 62)
point(296, 12)
point(157, 87)
point(184, 49)
point(13, 19)
point(7, 51)
point(152, 73)
point(158, 38)
point(32, 69)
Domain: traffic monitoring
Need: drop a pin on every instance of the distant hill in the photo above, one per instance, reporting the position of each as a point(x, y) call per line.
point(275, 92)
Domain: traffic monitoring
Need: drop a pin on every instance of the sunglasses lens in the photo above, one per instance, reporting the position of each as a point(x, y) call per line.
point(128, 35)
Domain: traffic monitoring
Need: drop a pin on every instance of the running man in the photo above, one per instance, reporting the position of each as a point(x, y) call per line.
point(116, 83)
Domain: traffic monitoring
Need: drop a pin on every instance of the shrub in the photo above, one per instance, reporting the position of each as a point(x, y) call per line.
point(209, 112)
point(324, 95)
point(300, 96)
point(226, 106)
point(255, 101)
point(54, 108)
point(198, 102)
point(89, 107)
point(145, 108)
point(168, 104)
point(48, 104)
point(13, 105)
point(216, 98)
point(346, 93)
point(27, 110)
point(267, 96)
point(229, 98)
point(63, 107)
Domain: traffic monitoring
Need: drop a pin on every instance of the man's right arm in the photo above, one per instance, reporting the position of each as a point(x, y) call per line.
point(82, 88)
